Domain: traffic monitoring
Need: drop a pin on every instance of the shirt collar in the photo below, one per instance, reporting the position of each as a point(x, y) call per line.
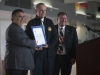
point(42, 19)
point(61, 27)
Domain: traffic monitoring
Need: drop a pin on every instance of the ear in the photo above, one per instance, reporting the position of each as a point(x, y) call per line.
point(13, 18)
point(35, 11)
point(57, 19)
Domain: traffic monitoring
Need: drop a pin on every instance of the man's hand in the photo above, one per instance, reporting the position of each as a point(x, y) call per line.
point(73, 61)
point(45, 45)
point(39, 48)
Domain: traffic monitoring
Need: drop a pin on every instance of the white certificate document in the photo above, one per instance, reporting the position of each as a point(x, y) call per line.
point(39, 35)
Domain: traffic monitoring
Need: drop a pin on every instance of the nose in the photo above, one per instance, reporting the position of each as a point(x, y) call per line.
point(43, 11)
point(64, 20)
point(23, 17)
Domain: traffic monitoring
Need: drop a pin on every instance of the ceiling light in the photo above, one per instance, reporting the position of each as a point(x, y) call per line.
point(80, 12)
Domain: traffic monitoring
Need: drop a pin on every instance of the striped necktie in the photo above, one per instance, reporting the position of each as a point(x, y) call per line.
point(60, 47)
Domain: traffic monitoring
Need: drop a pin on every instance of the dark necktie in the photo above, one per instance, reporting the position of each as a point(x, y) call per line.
point(61, 33)
point(60, 47)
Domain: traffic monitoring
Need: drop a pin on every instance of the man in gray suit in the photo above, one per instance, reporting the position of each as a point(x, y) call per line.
point(19, 48)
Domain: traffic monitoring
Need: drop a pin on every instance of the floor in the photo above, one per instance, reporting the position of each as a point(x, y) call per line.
point(72, 73)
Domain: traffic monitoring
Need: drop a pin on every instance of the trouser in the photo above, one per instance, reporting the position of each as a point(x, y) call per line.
point(62, 63)
point(16, 72)
point(43, 66)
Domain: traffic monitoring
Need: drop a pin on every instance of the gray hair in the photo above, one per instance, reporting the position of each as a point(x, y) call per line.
point(39, 5)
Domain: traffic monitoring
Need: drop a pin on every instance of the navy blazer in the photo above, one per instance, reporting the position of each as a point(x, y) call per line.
point(70, 41)
point(51, 35)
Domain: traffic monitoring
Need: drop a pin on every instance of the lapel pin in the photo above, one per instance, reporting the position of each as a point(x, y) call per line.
point(49, 29)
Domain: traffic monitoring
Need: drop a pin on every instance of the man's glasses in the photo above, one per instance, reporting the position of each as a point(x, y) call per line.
point(20, 16)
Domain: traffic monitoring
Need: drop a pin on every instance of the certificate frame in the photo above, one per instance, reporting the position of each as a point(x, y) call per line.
point(41, 27)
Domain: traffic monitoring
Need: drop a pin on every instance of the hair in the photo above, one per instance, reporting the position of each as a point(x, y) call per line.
point(61, 13)
point(39, 4)
point(15, 12)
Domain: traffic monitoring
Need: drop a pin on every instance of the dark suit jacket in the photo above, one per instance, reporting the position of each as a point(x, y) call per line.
point(51, 36)
point(19, 49)
point(70, 41)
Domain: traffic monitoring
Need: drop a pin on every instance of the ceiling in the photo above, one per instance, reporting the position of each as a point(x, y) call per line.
point(74, 1)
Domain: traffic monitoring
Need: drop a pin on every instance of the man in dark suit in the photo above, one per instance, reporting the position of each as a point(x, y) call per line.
point(44, 59)
point(65, 48)
point(19, 48)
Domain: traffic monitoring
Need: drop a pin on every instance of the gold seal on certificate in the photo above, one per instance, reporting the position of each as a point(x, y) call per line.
point(49, 29)
point(39, 35)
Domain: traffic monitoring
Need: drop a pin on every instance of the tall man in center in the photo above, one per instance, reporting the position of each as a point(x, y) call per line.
point(44, 57)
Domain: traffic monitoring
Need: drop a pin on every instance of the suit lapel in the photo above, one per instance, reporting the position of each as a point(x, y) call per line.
point(66, 35)
point(56, 27)
point(58, 37)
point(23, 32)
point(46, 29)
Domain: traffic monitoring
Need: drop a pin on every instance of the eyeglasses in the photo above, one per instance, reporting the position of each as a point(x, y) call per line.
point(20, 16)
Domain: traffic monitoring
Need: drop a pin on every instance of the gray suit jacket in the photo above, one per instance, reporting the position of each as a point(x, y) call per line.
point(19, 49)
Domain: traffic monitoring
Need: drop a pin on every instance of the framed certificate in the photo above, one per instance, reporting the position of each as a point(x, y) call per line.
point(39, 35)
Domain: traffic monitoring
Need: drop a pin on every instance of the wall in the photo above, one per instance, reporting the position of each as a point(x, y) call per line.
point(83, 33)
point(0, 52)
point(4, 25)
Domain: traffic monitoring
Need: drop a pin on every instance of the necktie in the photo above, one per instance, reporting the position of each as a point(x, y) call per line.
point(61, 33)
point(60, 47)
point(43, 26)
